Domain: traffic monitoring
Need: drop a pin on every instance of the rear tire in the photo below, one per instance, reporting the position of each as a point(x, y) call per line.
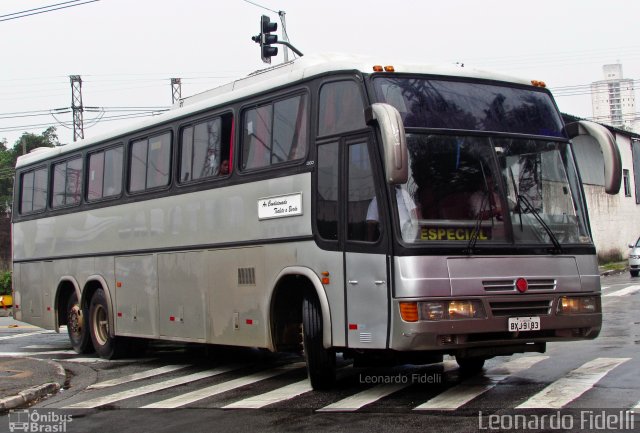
point(321, 362)
point(106, 346)
point(77, 327)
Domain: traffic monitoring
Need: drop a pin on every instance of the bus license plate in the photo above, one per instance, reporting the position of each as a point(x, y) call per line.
point(520, 324)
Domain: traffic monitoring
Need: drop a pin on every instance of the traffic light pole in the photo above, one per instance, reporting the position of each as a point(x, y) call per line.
point(287, 44)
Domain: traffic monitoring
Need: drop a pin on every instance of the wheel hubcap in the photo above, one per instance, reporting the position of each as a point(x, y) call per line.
point(100, 324)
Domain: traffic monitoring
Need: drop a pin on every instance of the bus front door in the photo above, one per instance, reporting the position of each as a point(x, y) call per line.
point(366, 270)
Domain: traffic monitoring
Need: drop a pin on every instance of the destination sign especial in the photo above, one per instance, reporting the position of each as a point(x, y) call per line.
point(280, 206)
point(453, 234)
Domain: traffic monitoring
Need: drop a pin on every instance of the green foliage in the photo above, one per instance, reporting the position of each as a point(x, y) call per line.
point(5, 283)
point(8, 157)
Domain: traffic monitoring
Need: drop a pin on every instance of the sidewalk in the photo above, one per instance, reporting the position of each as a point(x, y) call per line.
point(24, 380)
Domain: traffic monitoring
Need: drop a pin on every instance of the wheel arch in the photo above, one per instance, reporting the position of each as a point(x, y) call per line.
point(66, 286)
point(292, 283)
point(95, 282)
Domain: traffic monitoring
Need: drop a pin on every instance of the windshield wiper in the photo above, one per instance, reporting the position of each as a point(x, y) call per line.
point(557, 248)
point(475, 233)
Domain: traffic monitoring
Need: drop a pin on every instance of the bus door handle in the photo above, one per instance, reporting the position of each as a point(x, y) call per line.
point(379, 282)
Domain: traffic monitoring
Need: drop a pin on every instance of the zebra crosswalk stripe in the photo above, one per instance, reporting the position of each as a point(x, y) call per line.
point(466, 391)
point(25, 334)
point(210, 391)
point(137, 376)
point(277, 395)
point(626, 291)
point(364, 398)
point(123, 395)
point(577, 382)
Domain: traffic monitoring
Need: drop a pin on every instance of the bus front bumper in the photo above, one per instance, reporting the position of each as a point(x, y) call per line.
point(450, 336)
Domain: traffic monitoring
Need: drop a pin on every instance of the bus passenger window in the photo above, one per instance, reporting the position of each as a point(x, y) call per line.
point(275, 133)
point(67, 179)
point(205, 149)
point(150, 163)
point(105, 174)
point(33, 191)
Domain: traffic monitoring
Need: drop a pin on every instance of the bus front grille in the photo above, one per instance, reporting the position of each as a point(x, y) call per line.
point(509, 285)
point(520, 308)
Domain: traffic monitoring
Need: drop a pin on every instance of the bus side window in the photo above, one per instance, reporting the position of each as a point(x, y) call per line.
point(67, 177)
point(150, 162)
point(205, 149)
point(105, 174)
point(341, 108)
point(275, 133)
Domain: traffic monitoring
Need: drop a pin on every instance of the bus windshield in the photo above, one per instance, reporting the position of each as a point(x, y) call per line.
point(489, 188)
point(474, 106)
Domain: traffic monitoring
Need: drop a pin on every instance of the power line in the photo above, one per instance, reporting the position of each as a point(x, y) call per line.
point(50, 8)
point(260, 6)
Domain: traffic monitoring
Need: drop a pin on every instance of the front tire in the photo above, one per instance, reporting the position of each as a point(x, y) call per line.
point(106, 346)
point(470, 365)
point(77, 326)
point(634, 273)
point(321, 362)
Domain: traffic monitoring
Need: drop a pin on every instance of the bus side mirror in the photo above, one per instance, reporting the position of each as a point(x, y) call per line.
point(394, 141)
point(610, 152)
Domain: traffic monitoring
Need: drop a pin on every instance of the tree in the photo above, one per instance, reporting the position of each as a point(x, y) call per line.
point(8, 157)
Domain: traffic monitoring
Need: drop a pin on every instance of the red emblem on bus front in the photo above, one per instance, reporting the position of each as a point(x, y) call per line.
point(522, 285)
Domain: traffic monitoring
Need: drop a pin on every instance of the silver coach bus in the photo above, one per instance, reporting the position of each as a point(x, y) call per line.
point(328, 205)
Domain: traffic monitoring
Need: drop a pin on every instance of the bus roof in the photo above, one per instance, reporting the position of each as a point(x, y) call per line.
point(263, 80)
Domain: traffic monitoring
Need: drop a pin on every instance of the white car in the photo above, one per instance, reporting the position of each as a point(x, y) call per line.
point(634, 258)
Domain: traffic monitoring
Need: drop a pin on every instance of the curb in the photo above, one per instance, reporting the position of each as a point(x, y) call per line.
point(28, 395)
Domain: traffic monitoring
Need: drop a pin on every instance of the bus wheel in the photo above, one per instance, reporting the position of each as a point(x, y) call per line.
point(106, 346)
point(470, 365)
point(77, 327)
point(321, 363)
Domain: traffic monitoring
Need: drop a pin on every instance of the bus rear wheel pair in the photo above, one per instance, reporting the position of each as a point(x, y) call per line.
point(88, 334)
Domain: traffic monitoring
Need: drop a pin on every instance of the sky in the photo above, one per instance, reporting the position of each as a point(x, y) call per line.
point(126, 51)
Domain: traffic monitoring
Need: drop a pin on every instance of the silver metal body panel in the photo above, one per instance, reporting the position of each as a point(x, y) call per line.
point(217, 295)
point(492, 280)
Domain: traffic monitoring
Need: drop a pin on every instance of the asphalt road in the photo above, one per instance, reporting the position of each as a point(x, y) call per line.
point(579, 386)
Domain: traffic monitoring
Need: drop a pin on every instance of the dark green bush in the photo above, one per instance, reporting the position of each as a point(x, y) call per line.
point(5, 283)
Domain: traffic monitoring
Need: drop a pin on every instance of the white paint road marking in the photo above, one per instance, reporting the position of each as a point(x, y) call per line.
point(624, 292)
point(577, 382)
point(277, 395)
point(137, 376)
point(210, 391)
point(26, 334)
point(112, 398)
point(461, 394)
point(371, 395)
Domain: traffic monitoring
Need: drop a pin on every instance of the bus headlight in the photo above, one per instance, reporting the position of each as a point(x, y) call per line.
point(441, 310)
point(577, 305)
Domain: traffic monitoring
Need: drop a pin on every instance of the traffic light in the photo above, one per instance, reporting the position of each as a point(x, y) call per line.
point(265, 39)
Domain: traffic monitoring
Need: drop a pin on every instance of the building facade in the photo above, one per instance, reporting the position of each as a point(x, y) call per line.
point(615, 219)
point(613, 99)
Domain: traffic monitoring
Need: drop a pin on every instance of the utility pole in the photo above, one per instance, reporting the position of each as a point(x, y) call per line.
point(76, 107)
point(285, 37)
point(176, 90)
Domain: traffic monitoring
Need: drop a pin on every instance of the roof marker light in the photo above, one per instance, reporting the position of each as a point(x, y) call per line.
point(378, 68)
